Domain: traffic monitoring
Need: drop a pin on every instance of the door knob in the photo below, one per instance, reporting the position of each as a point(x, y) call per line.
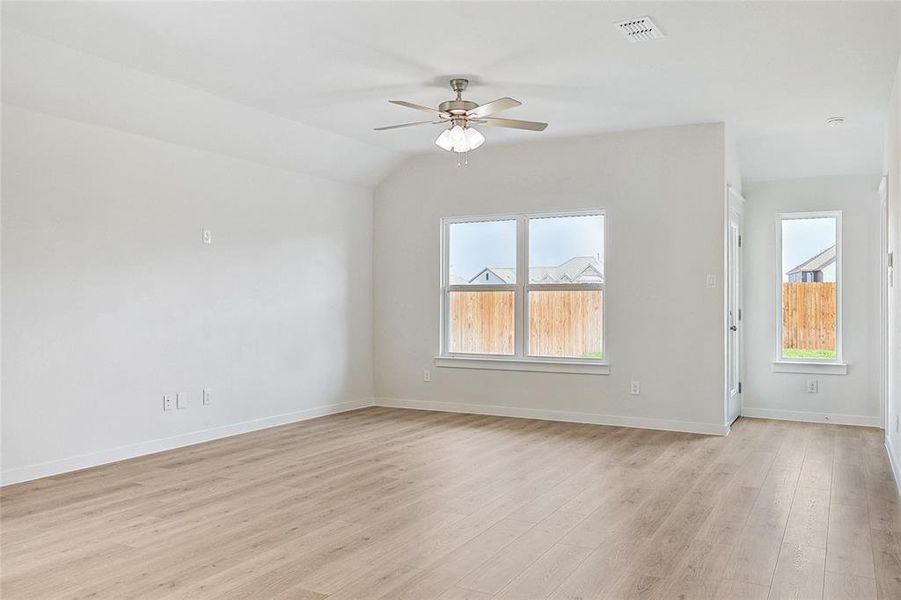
point(733, 328)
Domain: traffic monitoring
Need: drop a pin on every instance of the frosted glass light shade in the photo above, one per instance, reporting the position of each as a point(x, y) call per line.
point(444, 140)
point(474, 138)
point(458, 137)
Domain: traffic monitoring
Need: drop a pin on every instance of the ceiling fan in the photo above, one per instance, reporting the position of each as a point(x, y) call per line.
point(460, 115)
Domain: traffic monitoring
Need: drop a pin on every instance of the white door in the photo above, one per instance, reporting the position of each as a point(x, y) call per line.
point(885, 314)
point(734, 304)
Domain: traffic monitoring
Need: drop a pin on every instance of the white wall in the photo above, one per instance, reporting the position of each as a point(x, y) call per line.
point(852, 398)
point(663, 190)
point(110, 299)
point(732, 160)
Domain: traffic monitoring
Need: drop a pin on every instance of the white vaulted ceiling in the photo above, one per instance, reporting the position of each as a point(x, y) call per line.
point(301, 85)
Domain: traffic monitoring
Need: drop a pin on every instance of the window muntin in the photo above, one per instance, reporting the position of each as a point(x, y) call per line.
point(542, 302)
point(809, 287)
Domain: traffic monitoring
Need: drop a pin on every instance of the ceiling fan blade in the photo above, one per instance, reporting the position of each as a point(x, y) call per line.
point(495, 106)
point(416, 106)
point(514, 124)
point(402, 125)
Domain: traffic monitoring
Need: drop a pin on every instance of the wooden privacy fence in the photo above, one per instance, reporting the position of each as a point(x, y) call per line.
point(808, 316)
point(481, 322)
point(561, 323)
point(566, 323)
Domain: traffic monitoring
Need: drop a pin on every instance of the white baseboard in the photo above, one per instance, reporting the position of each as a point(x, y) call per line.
point(556, 415)
point(102, 457)
point(810, 417)
point(893, 459)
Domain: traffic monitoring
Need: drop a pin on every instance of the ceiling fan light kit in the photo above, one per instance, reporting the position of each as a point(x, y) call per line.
point(460, 115)
point(459, 139)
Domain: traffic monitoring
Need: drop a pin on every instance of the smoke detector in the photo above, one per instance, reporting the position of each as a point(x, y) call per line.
point(835, 121)
point(642, 29)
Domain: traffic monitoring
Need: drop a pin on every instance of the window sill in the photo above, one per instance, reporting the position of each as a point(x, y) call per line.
point(814, 368)
point(519, 364)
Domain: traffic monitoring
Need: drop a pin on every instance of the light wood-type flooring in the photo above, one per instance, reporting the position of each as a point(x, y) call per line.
point(389, 503)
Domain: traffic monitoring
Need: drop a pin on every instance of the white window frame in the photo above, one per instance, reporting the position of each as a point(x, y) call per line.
point(827, 366)
point(520, 359)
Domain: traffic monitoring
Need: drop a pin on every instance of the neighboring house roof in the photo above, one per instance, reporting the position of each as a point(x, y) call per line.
point(504, 274)
point(817, 263)
point(579, 269)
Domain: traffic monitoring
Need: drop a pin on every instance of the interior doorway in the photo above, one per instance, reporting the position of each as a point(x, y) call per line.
point(885, 316)
point(734, 357)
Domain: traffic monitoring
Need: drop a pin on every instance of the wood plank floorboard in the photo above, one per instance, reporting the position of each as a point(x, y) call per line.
point(392, 504)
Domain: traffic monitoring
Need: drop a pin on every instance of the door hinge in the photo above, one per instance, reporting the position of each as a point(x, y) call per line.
point(739, 240)
point(739, 314)
point(739, 387)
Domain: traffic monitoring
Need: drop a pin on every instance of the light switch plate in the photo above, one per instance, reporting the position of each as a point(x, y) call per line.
point(181, 400)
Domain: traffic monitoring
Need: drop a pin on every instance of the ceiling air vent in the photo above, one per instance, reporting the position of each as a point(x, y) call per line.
point(641, 29)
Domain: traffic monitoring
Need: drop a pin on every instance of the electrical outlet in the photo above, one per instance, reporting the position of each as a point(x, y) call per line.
point(206, 236)
point(426, 375)
point(168, 403)
point(181, 400)
point(207, 397)
point(711, 280)
point(635, 388)
point(813, 386)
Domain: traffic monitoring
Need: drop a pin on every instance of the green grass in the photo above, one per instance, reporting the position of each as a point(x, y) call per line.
point(802, 353)
point(593, 355)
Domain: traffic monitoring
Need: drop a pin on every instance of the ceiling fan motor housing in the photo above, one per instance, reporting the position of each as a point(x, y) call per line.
point(458, 106)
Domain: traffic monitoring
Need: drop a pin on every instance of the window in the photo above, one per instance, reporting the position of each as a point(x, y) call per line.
point(809, 287)
point(481, 295)
point(566, 286)
point(527, 288)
